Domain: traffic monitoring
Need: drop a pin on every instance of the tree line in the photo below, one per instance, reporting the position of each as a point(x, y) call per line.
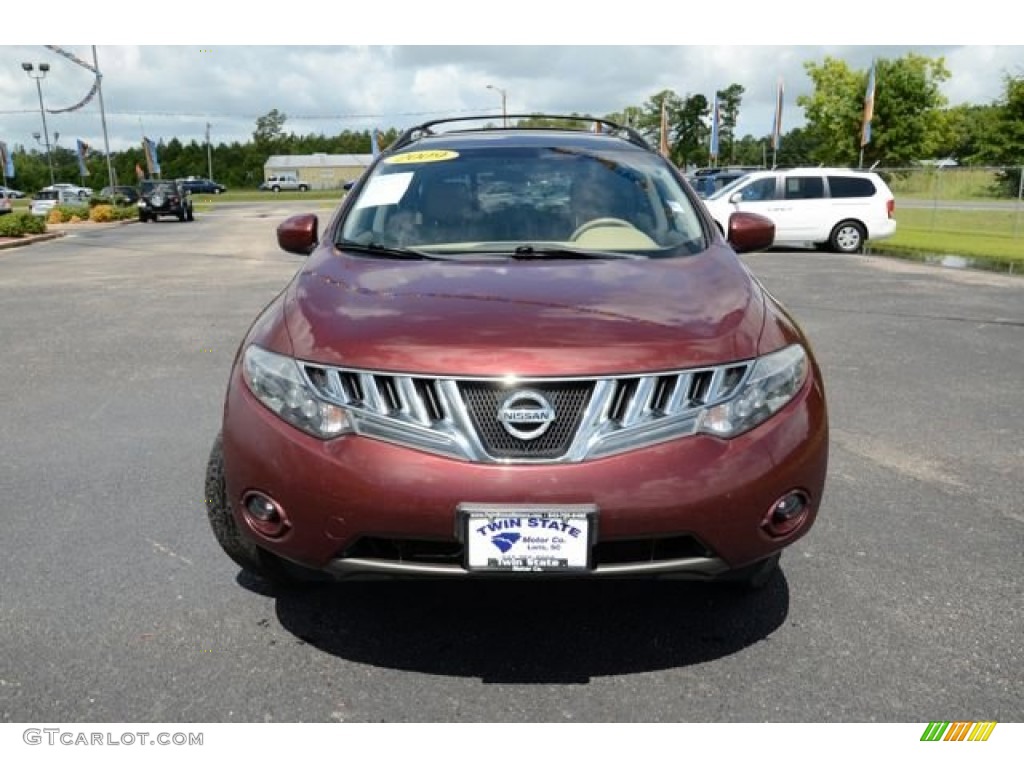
point(911, 121)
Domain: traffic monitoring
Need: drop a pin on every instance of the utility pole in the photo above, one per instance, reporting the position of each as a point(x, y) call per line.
point(209, 155)
point(103, 116)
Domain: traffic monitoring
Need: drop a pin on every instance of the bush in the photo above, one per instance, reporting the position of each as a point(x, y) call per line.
point(54, 216)
point(101, 213)
point(21, 224)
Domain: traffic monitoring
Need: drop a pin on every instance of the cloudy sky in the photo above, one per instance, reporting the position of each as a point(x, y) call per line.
point(165, 90)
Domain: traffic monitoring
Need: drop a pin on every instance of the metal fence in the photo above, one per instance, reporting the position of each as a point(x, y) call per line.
point(967, 199)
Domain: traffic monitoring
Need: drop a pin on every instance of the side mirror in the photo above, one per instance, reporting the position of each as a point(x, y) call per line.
point(750, 232)
point(298, 234)
point(736, 197)
point(348, 185)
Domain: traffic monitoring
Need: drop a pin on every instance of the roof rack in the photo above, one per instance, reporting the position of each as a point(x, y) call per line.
point(424, 129)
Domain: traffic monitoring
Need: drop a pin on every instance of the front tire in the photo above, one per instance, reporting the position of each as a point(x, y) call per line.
point(244, 552)
point(847, 237)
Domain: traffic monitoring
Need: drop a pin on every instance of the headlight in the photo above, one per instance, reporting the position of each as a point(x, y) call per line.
point(279, 384)
point(772, 383)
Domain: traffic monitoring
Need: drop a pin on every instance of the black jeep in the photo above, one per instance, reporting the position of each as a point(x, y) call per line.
point(158, 197)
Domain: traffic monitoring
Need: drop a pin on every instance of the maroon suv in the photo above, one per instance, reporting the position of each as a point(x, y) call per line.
point(520, 352)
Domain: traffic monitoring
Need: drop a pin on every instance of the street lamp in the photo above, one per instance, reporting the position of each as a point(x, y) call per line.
point(43, 69)
point(504, 111)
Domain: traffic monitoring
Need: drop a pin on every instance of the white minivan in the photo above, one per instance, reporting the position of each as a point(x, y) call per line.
point(837, 208)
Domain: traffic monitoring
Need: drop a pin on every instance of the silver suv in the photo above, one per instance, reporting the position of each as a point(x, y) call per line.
point(284, 182)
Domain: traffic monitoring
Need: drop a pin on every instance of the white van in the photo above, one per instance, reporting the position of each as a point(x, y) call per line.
point(830, 207)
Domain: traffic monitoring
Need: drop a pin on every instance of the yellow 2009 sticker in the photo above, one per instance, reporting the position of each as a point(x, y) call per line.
point(426, 156)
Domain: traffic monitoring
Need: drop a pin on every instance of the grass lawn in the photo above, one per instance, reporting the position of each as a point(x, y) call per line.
point(992, 235)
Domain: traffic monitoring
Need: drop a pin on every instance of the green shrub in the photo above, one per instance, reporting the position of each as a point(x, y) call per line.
point(21, 224)
point(68, 212)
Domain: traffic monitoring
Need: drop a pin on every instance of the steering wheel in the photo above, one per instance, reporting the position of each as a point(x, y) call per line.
point(607, 221)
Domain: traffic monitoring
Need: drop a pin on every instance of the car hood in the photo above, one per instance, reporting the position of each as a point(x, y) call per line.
point(554, 318)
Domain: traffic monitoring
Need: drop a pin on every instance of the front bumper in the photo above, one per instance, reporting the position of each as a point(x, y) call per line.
point(699, 500)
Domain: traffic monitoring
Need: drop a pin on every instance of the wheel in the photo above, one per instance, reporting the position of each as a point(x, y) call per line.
point(245, 553)
point(753, 577)
point(182, 214)
point(190, 215)
point(847, 237)
point(602, 222)
point(303, 188)
point(275, 188)
point(143, 218)
point(216, 191)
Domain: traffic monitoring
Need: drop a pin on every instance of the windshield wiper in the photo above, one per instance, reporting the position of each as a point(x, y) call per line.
point(528, 252)
point(387, 252)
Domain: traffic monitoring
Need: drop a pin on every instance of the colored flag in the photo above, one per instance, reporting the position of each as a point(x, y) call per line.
point(6, 161)
point(715, 123)
point(374, 144)
point(83, 150)
point(664, 129)
point(152, 163)
point(777, 128)
point(869, 108)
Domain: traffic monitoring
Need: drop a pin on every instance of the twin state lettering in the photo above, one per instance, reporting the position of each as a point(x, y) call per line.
point(547, 523)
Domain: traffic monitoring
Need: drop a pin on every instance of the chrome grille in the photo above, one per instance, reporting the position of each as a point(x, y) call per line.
point(593, 416)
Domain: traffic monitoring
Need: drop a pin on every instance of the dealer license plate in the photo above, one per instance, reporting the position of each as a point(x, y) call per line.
point(528, 538)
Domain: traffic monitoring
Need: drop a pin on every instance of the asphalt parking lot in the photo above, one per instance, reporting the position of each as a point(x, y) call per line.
point(903, 604)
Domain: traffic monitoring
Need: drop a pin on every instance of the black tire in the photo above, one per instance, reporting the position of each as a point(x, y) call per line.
point(143, 218)
point(303, 188)
point(847, 237)
point(182, 215)
point(753, 577)
point(244, 552)
point(275, 188)
point(190, 215)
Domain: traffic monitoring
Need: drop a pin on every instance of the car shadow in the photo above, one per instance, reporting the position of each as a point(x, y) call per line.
point(536, 632)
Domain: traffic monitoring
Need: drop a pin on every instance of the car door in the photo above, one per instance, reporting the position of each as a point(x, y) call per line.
point(802, 213)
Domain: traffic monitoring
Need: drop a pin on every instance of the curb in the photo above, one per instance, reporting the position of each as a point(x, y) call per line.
point(19, 242)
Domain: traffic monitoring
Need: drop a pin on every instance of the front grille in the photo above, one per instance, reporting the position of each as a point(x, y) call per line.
point(592, 417)
point(568, 400)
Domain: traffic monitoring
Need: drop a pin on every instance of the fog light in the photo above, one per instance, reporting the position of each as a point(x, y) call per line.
point(786, 515)
point(264, 515)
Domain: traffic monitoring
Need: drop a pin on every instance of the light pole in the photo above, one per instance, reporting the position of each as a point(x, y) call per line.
point(504, 110)
point(43, 69)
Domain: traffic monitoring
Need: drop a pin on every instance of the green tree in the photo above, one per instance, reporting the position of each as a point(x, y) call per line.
point(907, 124)
point(269, 133)
point(729, 101)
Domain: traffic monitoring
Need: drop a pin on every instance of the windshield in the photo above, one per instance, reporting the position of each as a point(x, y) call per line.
point(728, 189)
point(547, 198)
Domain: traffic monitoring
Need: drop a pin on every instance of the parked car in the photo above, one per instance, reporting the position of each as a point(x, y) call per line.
point(81, 193)
point(11, 193)
point(197, 185)
point(520, 353)
point(284, 183)
point(706, 184)
point(122, 195)
point(45, 200)
point(5, 205)
point(159, 197)
point(835, 208)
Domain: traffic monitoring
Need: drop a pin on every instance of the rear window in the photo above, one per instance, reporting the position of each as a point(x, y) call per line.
point(850, 186)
